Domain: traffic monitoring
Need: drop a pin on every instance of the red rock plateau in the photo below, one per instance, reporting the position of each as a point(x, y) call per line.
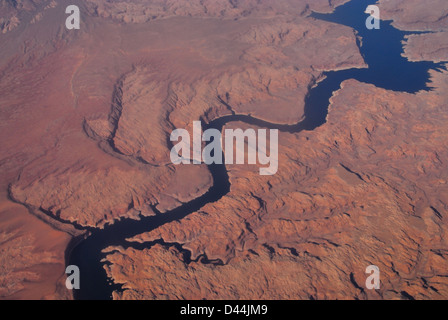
point(85, 122)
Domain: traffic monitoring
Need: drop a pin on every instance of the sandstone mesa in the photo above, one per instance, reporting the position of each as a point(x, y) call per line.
point(87, 145)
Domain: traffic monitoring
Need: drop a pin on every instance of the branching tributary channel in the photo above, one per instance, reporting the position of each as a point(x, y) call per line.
point(387, 69)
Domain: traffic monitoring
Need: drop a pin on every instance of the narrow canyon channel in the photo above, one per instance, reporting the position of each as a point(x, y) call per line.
point(387, 69)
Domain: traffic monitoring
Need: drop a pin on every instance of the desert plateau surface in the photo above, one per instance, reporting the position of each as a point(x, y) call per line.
point(356, 117)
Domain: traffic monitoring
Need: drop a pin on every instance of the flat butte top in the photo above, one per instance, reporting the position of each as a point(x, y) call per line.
point(85, 117)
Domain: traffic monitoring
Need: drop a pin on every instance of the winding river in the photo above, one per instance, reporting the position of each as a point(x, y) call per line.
point(387, 69)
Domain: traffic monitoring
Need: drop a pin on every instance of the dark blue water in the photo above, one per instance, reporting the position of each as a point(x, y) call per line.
point(382, 51)
point(387, 69)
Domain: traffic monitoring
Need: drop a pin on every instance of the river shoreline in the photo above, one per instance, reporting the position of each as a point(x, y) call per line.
point(384, 71)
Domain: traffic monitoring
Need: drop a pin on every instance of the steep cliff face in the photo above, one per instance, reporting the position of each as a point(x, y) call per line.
point(15, 12)
point(86, 117)
point(86, 114)
point(188, 74)
point(414, 15)
point(141, 11)
point(429, 47)
point(368, 187)
point(420, 16)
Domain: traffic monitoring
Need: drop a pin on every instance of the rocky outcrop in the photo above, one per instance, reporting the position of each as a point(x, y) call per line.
point(141, 11)
point(12, 12)
point(428, 47)
point(414, 15)
point(368, 187)
point(420, 16)
point(86, 118)
point(131, 171)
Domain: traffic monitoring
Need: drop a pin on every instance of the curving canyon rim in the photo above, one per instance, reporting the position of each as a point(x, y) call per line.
point(87, 179)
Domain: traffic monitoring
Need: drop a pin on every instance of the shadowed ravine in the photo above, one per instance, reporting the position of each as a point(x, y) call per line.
point(387, 69)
